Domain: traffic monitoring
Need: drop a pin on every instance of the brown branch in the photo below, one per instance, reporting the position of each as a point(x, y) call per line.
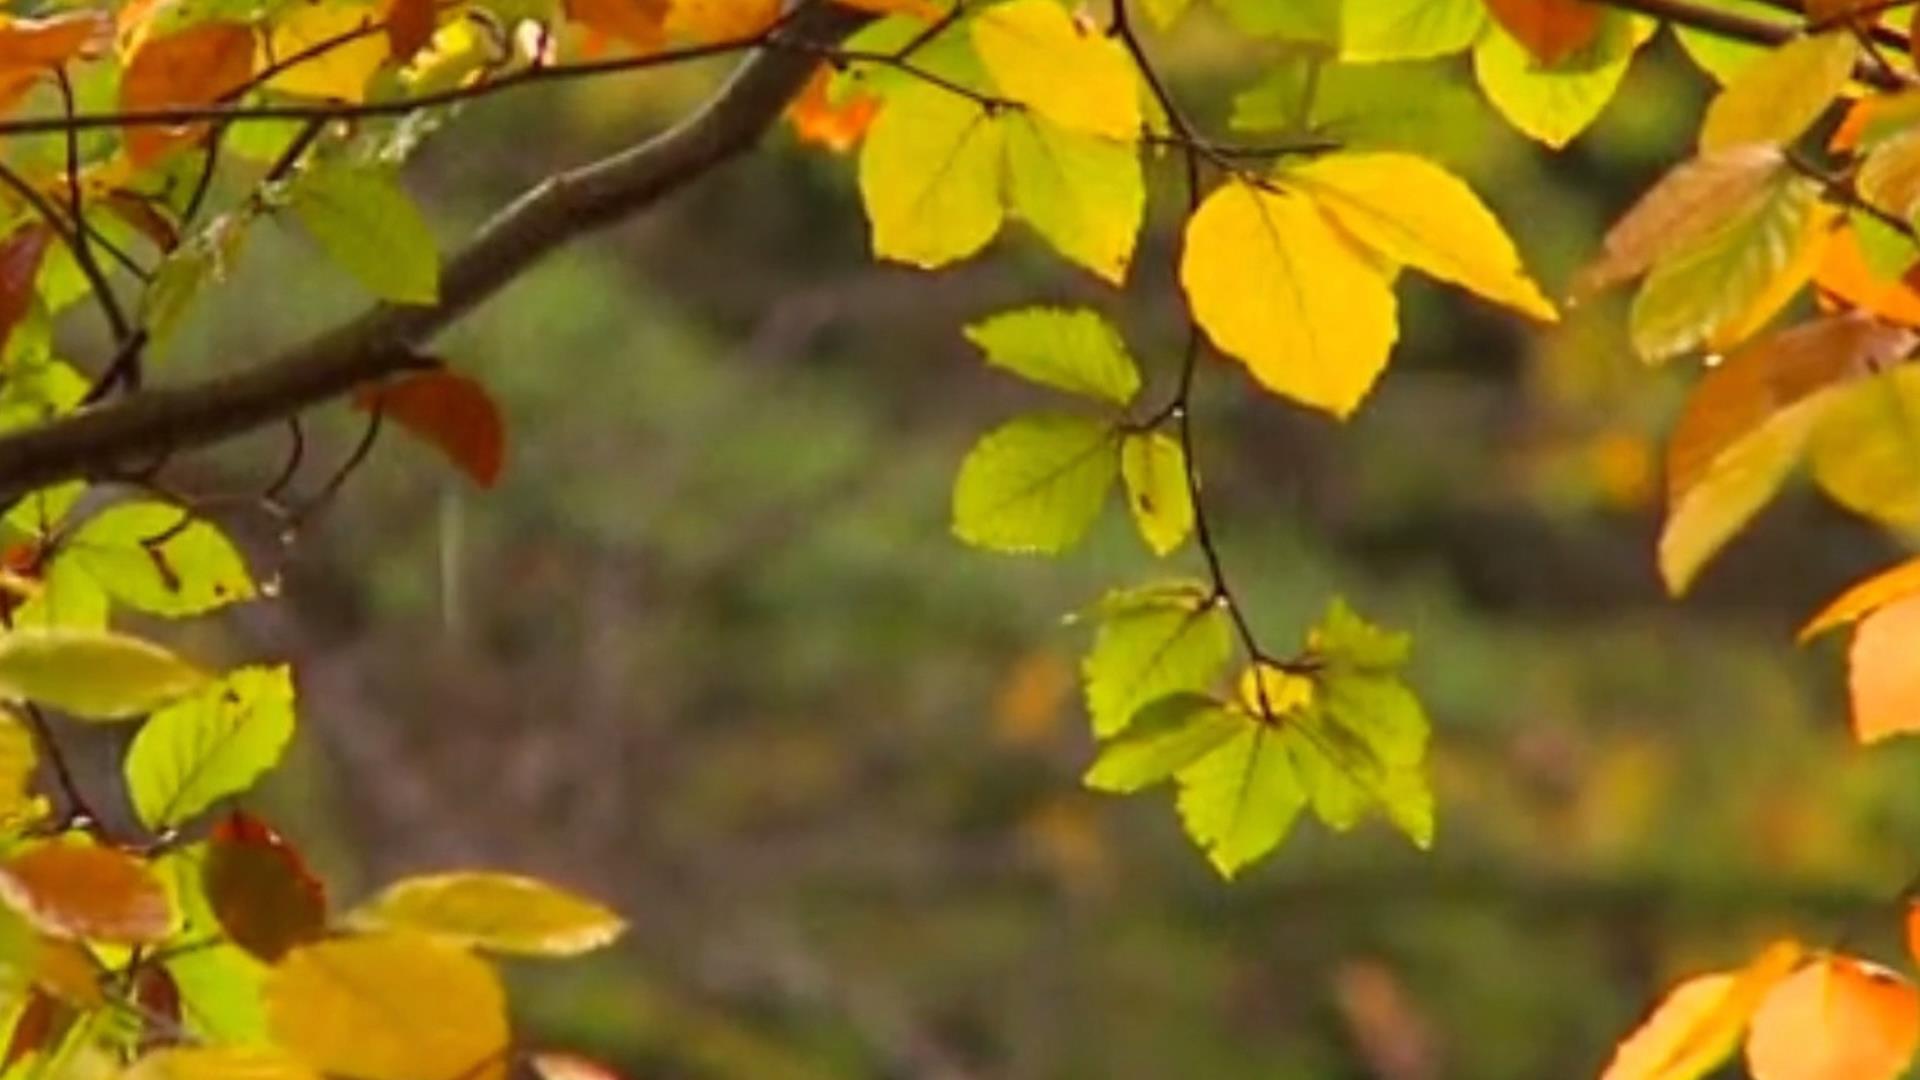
point(381, 341)
point(1736, 27)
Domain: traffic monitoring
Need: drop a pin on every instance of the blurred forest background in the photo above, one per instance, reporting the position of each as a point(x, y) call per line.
point(710, 654)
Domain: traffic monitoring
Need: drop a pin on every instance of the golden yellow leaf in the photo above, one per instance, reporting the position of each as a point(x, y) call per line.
point(1775, 98)
point(721, 20)
point(389, 1007)
point(340, 65)
point(1276, 287)
point(930, 177)
point(503, 912)
point(1414, 212)
point(1039, 55)
point(218, 1063)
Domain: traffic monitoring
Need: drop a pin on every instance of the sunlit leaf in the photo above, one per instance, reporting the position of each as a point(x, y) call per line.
point(1865, 451)
point(216, 743)
point(365, 222)
point(93, 675)
point(1883, 682)
point(1552, 30)
point(1239, 801)
point(161, 559)
point(1068, 71)
point(1035, 484)
point(721, 20)
point(1154, 467)
point(502, 912)
point(1865, 597)
point(1835, 1019)
point(343, 42)
point(196, 66)
point(1075, 350)
point(1554, 103)
point(1776, 98)
point(1310, 314)
point(1736, 484)
point(219, 1063)
point(1414, 212)
point(390, 1007)
point(1691, 202)
point(1164, 738)
point(930, 177)
point(1152, 642)
point(1084, 193)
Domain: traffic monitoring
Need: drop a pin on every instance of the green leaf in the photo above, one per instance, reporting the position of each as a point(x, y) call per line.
point(68, 599)
point(1075, 350)
point(1706, 285)
point(1153, 641)
point(1865, 448)
point(367, 224)
point(502, 912)
point(214, 744)
point(930, 177)
point(1155, 470)
point(1776, 98)
point(161, 559)
point(1082, 192)
point(1165, 737)
point(1554, 104)
point(1035, 484)
point(220, 994)
point(1239, 801)
point(1723, 57)
point(1375, 30)
point(94, 675)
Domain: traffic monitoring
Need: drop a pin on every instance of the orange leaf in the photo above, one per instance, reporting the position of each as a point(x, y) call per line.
point(20, 255)
point(44, 43)
point(1827, 13)
point(721, 20)
point(1865, 597)
point(1699, 1022)
point(639, 23)
point(42, 1022)
point(921, 9)
point(1552, 30)
point(816, 119)
point(1913, 930)
point(71, 891)
point(197, 66)
point(1769, 375)
point(450, 411)
point(1843, 274)
point(1882, 678)
point(260, 889)
point(1835, 1019)
point(410, 25)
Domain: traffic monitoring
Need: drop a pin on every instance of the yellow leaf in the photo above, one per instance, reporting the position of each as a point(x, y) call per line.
point(1083, 193)
point(1155, 470)
point(1275, 286)
point(930, 177)
point(389, 1007)
point(1698, 1024)
point(336, 71)
point(218, 1063)
point(502, 912)
point(1042, 57)
point(1733, 487)
point(1415, 212)
point(1775, 98)
point(1865, 452)
point(1865, 597)
point(721, 20)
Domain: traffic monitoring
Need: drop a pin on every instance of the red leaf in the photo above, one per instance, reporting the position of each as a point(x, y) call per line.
point(94, 893)
point(450, 411)
point(410, 25)
point(20, 255)
point(159, 999)
point(42, 1022)
point(1552, 30)
point(196, 66)
point(260, 889)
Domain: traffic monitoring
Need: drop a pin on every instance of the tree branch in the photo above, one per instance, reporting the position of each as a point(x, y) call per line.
point(159, 421)
point(1736, 27)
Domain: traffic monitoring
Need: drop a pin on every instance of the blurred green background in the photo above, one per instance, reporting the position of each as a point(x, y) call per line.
point(710, 653)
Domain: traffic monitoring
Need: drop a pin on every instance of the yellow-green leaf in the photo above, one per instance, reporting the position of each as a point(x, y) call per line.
point(1311, 315)
point(1697, 197)
point(390, 1007)
point(1239, 801)
point(1155, 470)
point(1084, 193)
point(1154, 641)
point(161, 559)
point(1035, 484)
point(1774, 99)
point(930, 177)
point(214, 744)
point(1865, 450)
point(1415, 212)
point(1070, 72)
point(1554, 103)
point(1072, 350)
point(365, 222)
point(1166, 737)
point(502, 912)
point(94, 675)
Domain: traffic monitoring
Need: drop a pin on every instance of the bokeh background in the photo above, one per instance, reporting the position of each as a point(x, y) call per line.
point(710, 653)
